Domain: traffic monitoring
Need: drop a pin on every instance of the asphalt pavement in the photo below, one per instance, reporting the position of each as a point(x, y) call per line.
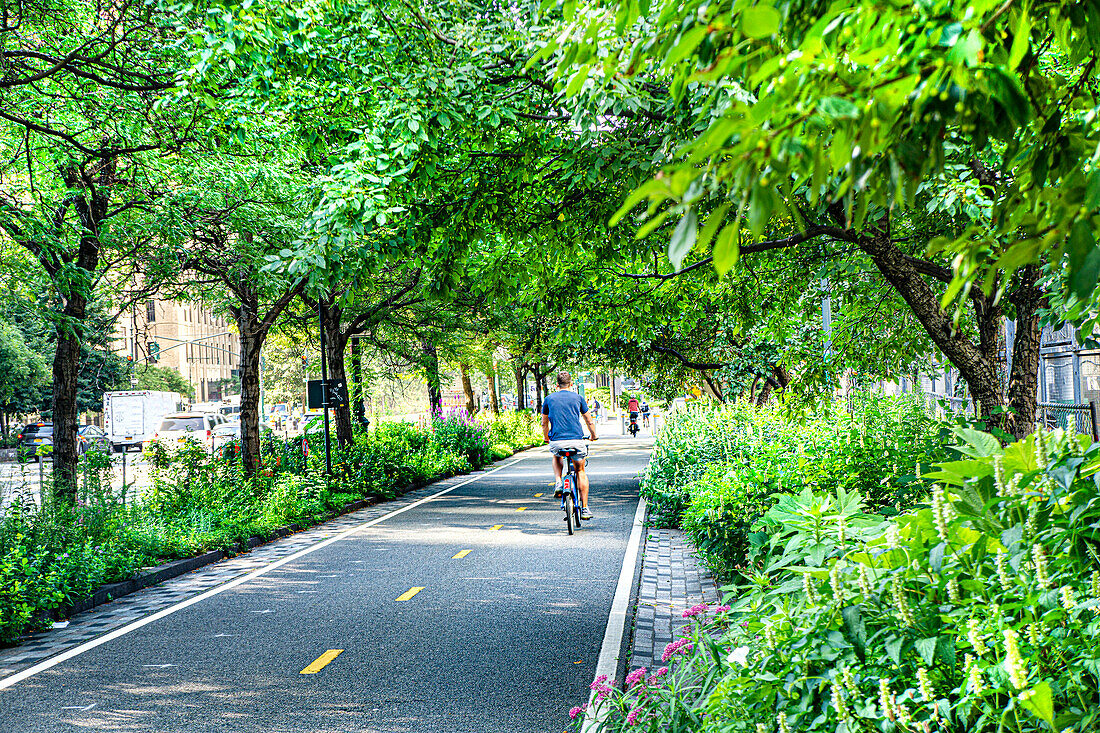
point(473, 611)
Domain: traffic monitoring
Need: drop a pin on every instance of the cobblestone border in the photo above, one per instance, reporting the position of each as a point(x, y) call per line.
point(672, 580)
point(175, 582)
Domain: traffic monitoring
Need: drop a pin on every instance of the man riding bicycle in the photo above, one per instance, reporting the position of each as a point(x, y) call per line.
point(561, 428)
point(645, 413)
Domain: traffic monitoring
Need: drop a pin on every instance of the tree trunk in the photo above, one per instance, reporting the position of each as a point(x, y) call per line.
point(494, 395)
point(468, 389)
point(1023, 382)
point(538, 392)
point(979, 364)
point(66, 370)
point(335, 345)
point(521, 388)
point(431, 373)
point(358, 393)
point(251, 342)
point(545, 392)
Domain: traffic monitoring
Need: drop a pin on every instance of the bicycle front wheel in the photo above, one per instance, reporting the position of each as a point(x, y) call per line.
point(569, 511)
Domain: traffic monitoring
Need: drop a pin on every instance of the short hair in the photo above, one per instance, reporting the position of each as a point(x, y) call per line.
point(564, 379)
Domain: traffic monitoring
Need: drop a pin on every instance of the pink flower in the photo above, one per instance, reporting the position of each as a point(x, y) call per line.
point(680, 646)
point(635, 677)
point(722, 609)
point(632, 718)
point(662, 672)
point(574, 712)
point(599, 682)
point(695, 610)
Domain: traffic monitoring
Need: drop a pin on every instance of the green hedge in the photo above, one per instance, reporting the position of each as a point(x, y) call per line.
point(56, 555)
point(715, 471)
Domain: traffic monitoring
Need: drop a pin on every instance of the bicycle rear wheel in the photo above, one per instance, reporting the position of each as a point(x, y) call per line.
point(569, 510)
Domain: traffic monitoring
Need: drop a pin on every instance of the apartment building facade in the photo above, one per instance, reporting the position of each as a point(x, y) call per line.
point(186, 337)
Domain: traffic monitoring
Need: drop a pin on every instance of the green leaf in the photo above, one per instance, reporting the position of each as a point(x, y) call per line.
point(1039, 701)
point(727, 249)
point(1021, 40)
point(713, 222)
point(1084, 260)
point(977, 443)
point(760, 21)
point(687, 43)
point(577, 81)
point(927, 649)
point(683, 238)
point(893, 648)
point(855, 630)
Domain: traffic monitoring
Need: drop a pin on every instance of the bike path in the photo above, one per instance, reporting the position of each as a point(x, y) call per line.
point(504, 638)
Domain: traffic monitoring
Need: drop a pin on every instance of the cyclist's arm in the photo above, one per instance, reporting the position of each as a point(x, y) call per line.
point(591, 425)
point(545, 428)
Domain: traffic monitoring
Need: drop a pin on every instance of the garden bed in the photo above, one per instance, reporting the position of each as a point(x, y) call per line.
point(971, 605)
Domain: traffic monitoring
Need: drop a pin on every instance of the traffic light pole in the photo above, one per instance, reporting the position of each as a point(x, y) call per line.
point(324, 385)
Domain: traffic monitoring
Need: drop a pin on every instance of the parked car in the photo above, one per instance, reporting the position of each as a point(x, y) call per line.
point(177, 427)
point(91, 437)
point(33, 437)
point(227, 434)
point(36, 439)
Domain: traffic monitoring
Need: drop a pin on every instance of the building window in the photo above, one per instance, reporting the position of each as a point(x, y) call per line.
point(151, 311)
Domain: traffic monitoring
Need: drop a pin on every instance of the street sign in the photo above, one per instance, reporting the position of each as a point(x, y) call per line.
point(316, 397)
point(315, 394)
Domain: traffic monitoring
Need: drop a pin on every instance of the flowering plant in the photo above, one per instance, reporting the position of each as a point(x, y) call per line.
point(974, 612)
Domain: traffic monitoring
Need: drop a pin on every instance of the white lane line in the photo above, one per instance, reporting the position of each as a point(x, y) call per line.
point(608, 661)
point(123, 631)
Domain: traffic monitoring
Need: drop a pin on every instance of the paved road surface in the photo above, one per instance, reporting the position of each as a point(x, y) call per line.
point(504, 638)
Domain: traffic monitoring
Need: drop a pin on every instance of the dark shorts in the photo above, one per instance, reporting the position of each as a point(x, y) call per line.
point(633, 416)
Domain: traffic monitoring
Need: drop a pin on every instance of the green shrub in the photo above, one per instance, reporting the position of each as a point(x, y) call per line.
point(977, 613)
point(707, 462)
point(501, 450)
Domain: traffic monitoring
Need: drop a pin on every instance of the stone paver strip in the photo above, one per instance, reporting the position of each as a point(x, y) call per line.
point(673, 580)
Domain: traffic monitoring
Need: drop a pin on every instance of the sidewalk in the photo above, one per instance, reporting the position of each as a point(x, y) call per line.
point(673, 580)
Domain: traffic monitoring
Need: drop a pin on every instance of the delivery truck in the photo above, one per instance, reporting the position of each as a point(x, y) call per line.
point(132, 416)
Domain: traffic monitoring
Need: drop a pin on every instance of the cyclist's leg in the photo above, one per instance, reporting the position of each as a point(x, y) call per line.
point(557, 467)
point(582, 481)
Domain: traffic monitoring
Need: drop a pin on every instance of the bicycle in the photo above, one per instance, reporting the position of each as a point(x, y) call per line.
point(570, 490)
point(633, 428)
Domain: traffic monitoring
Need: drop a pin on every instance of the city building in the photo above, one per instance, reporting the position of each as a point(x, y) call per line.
point(186, 337)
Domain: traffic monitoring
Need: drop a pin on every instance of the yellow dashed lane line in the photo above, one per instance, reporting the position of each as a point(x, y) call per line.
point(462, 554)
point(409, 593)
point(495, 526)
point(319, 663)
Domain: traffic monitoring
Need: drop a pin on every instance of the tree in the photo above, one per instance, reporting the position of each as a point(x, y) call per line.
point(80, 197)
point(163, 379)
point(846, 122)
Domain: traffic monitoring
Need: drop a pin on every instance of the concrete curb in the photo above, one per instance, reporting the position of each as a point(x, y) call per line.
point(152, 576)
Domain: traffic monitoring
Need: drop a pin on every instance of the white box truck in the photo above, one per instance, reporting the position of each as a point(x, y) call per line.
point(132, 416)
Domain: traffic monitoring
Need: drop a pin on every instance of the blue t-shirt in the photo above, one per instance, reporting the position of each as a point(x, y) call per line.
point(565, 409)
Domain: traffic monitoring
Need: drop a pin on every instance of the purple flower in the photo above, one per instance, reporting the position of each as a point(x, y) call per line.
point(680, 646)
point(574, 712)
point(599, 682)
point(722, 609)
point(632, 718)
point(696, 610)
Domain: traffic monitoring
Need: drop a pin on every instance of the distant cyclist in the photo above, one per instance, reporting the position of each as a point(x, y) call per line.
point(645, 413)
point(562, 412)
